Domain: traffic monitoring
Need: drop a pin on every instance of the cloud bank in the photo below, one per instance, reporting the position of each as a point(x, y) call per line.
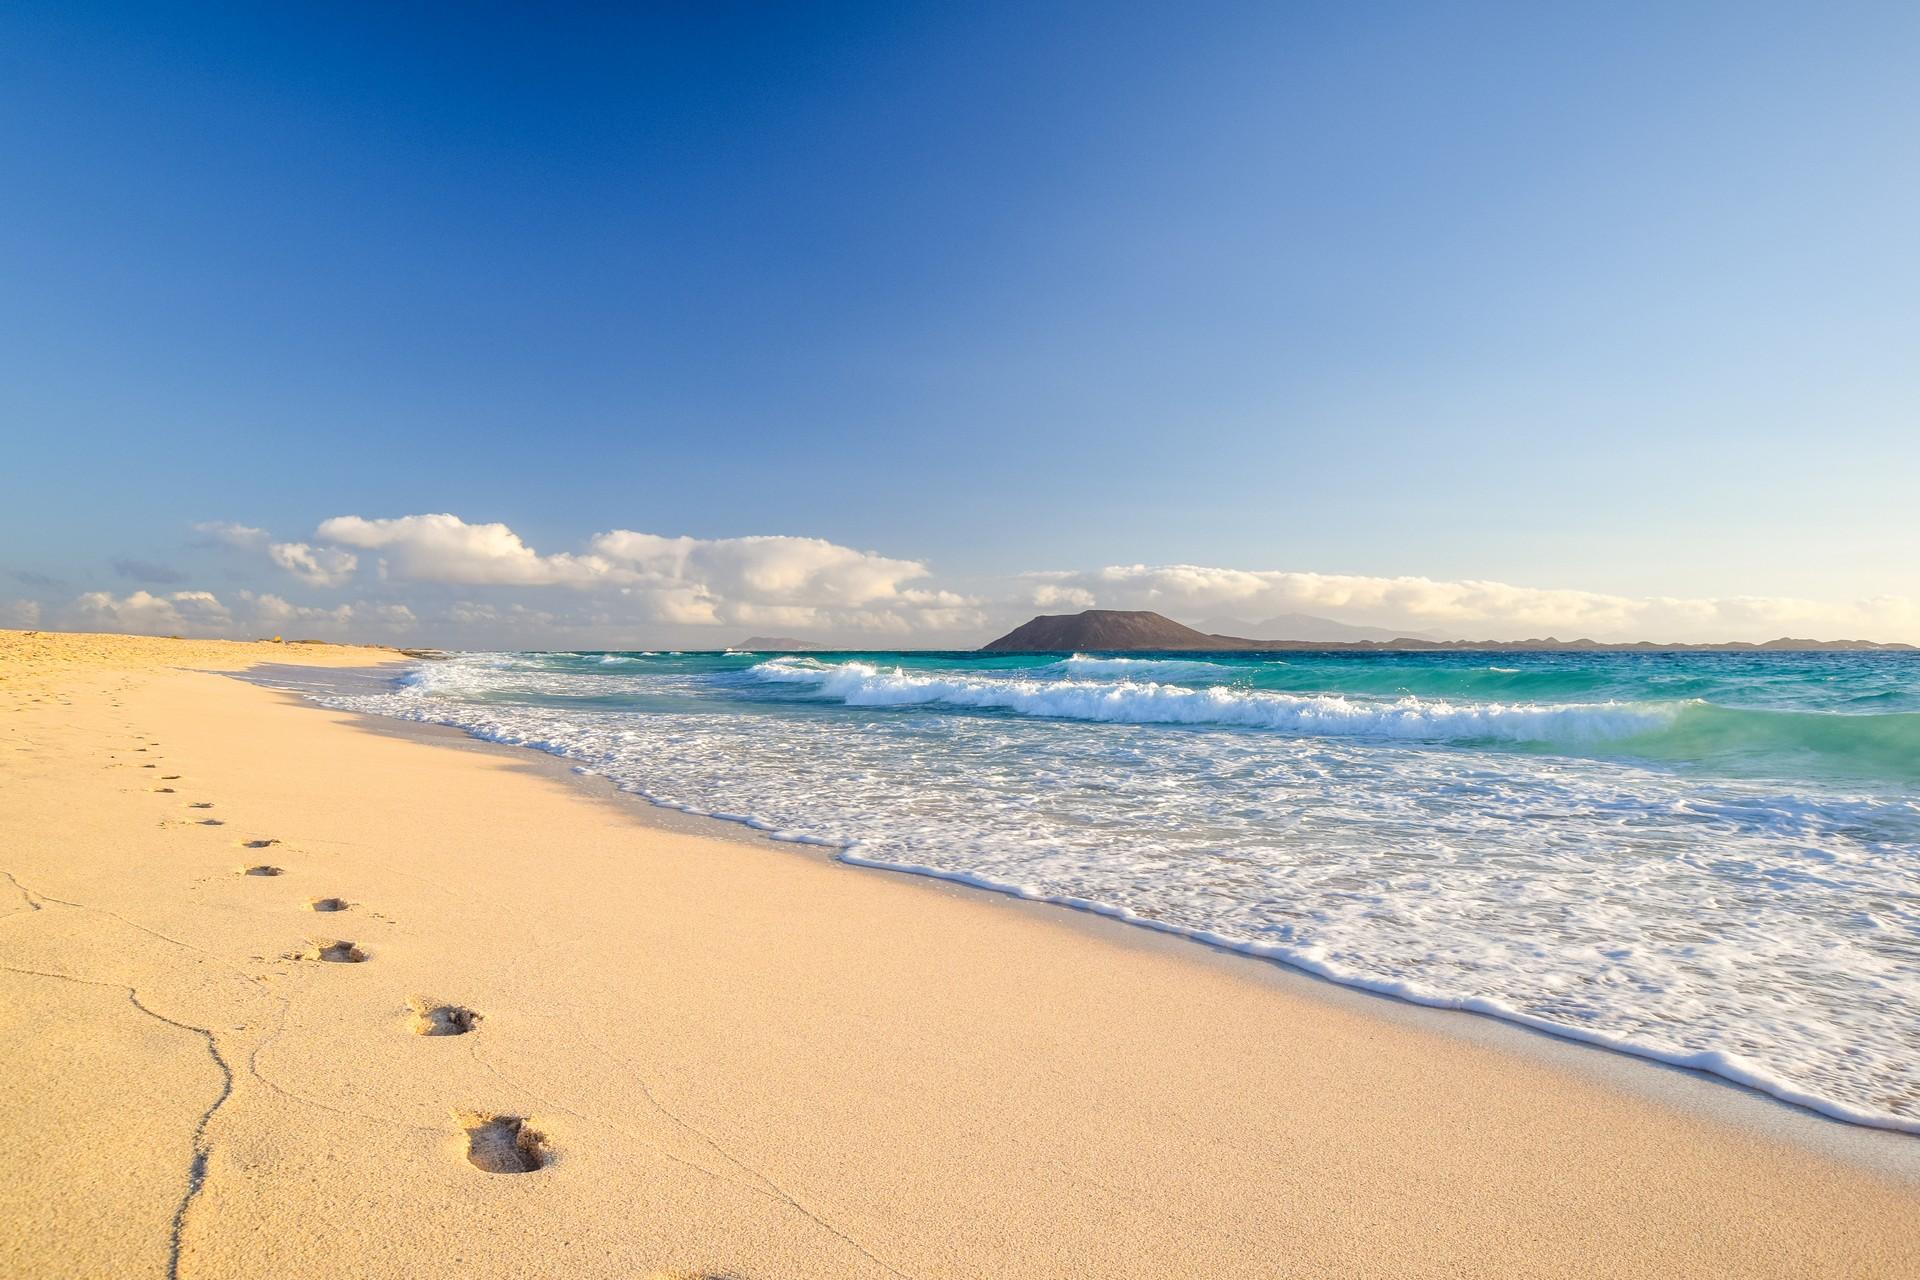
point(252, 614)
point(316, 566)
point(747, 581)
point(1476, 609)
point(197, 613)
point(437, 578)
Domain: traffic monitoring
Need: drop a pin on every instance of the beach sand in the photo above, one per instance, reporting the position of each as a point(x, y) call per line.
point(662, 1050)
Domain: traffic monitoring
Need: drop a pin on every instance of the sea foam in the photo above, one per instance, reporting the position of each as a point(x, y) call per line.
point(861, 684)
point(1086, 666)
point(1760, 927)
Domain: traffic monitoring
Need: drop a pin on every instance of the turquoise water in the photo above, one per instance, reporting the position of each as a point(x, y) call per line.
point(1711, 859)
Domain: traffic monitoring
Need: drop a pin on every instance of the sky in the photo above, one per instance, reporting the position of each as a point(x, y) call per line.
point(894, 324)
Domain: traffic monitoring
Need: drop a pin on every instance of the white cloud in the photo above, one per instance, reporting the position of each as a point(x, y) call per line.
point(24, 614)
point(181, 613)
point(759, 580)
point(623, 580)
point(224, 533)
point(515, 617)
point(396, 616)
point(201, 613)
point(445, 548)
point(316, 566)
point(1049, 595)
point(1477, 608)
point(769, 581)
point(266, 611)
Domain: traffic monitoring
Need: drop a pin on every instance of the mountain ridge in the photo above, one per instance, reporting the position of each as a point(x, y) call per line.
point(780, 644)
point(1308, 626)
point(1119, 630)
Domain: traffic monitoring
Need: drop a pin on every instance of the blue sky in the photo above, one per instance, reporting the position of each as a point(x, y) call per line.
point(1482, 319)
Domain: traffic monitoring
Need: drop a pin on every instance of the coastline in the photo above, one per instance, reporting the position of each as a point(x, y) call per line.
point(1723, 1098)
point(661, 783)
point(750, 1058)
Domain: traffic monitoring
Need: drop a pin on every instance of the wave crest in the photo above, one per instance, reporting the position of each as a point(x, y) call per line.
point(860, 684)
point(1086, 666)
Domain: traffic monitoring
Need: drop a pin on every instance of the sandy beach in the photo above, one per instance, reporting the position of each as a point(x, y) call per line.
point(284, 992)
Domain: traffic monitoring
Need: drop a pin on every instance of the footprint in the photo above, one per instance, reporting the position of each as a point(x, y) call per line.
point(332, 950)
point(198, 804)
point(430, 1019)
point(258, 844)
point(149, 766)
point(502, 1144)
point(209, 822)
point(327, 904)
point(262, 870)
point(165, 791)
point(169, 777)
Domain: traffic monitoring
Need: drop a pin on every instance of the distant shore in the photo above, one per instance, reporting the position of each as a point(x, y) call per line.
point(652, 1047)
point(1131, 630)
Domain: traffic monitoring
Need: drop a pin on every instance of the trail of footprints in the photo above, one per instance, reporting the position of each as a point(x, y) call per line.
point(496, 1143)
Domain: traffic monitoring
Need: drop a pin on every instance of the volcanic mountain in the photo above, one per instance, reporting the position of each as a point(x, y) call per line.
point(1098, 630)
point(1104, 629)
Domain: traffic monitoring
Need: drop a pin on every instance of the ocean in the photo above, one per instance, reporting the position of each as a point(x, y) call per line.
point(1712, 860)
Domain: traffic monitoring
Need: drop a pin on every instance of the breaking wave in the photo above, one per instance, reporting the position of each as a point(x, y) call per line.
point(860, 684)
point(1086, 667)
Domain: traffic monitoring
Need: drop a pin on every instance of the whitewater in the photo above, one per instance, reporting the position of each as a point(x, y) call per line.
point(1711, 860)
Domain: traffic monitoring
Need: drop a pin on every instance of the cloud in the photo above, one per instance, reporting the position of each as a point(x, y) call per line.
point(28, 578)
point(148, 571)
point(1051, 595)
point(516, 616)
point(758, 580)
point(620, 581)
point(358, 619)
point(1478, 608)
point(224, 533)
point(181, 613)
point(201, 613)
point(768, 580)
point(24, 614)
point(445, 548)
point(316, 566)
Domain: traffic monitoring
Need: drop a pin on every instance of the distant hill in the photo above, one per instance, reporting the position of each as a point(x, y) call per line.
point(1306, 626)
point(1113, 629)
point(1102, 629)
point(1098, 630)
point(780, 644)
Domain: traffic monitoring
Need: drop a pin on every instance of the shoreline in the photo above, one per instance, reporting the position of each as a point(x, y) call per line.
point(746, 1065)
point(1726, 1099)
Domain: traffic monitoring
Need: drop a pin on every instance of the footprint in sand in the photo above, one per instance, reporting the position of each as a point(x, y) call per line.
point(433, 1019)
point(169, 777)
point(209, 822)
point(258, 844)
point(328, 904)
point(165, 791)
point(330, 950)
point(261, 870)
point(502, 1144)
point(197, 804)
